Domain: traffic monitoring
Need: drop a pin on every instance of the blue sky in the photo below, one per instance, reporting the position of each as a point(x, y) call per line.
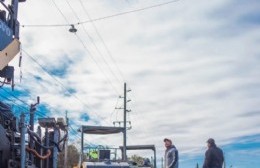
point(243, 152)
point(193, 68)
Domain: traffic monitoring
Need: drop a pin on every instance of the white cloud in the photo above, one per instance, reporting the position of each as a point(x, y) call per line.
point(194, 74)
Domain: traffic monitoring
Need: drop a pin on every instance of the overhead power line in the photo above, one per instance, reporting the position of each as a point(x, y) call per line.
point(109, 81)
point(100, 18)
point(92, 41)
point(102, 40)
point(59, 82)
point(40, 113)
point(23, 102)
point(13, 102)
point(86, 48)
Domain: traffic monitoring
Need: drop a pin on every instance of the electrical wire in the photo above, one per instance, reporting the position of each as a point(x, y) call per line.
point(23, 102)
point(11, 106)
point(79, 137)
point(75, 133)
point(100, 37)
point(61, 84)
point(41, 114)
point(56, 6)
point(101, 18)
point(102, 40)
point(114, 109)
point(85, 47)
point(8, 99)
point(109, 81)
point(50, 75)
point(49, 107)
point(14, 96)
point(92, 41)
point(141, 118)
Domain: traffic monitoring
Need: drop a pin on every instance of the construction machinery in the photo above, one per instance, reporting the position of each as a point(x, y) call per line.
point(146, 162)
point(21, 147)
point(9, 39)
point(103, 160)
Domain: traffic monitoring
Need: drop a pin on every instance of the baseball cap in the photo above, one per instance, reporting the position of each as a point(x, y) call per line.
point(211, 141)
point(167, 139)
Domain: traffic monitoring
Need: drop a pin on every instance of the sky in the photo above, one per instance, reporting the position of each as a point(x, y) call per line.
point(192, 67)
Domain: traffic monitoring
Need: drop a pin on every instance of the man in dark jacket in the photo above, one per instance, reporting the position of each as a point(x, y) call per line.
point(214, 157)
point(171, 154)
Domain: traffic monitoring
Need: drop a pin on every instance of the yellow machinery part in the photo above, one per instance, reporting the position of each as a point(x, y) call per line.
point(7, 54)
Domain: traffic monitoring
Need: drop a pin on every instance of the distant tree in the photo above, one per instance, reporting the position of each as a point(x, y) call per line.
point(73, 157)
point(137, 159)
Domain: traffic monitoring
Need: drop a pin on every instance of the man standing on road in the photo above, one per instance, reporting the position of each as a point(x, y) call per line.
point(171, 154)
point(214, 157)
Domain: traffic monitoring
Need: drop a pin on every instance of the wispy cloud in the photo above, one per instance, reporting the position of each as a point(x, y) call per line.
point(192, 67)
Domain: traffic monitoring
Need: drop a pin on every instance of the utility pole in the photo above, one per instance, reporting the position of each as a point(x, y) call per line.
point(47, 140)
point(66, 143)
point(55, 149)
point(32, 111)
point(124, 144)
point(23, 130)
point(125, 110)
point(125, 121)
point(39, 162)
point(82, 146)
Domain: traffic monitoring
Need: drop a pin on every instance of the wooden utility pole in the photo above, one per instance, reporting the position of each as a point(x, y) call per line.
point(124, 139)
point(125, 121)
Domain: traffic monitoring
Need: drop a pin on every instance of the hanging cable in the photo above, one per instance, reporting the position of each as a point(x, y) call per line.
point(50, 75)
point(53, 78)
point(91, 39)
point(100, 18)
point(56, 6)
point(61, 84)
point(109, 81)
point(114, 109)
point(39, 113)
point(14, 96)
point(102, 40)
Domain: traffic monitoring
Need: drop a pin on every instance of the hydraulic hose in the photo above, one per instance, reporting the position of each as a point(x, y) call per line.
point(48, 154)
